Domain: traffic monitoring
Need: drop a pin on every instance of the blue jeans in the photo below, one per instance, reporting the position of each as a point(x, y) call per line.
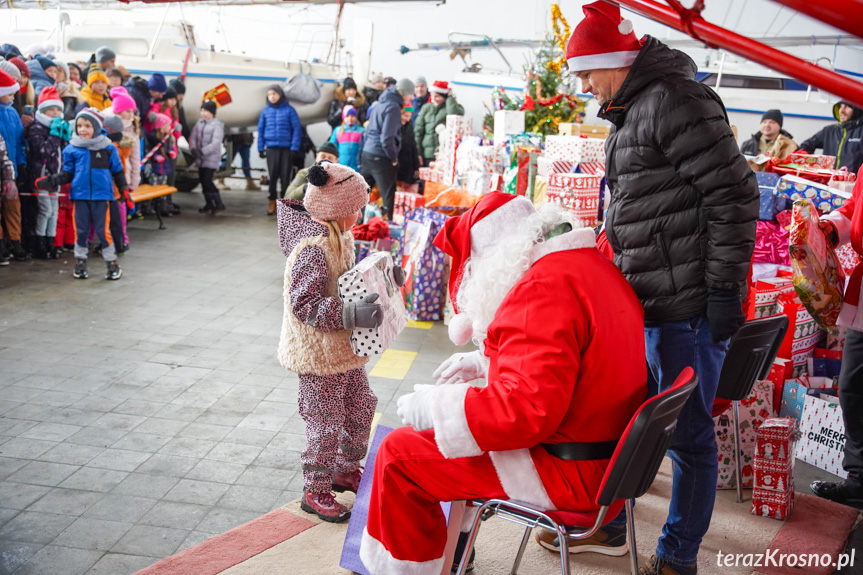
point(670, 347)
point(243, 150)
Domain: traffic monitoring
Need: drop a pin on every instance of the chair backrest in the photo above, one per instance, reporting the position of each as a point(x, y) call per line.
point(750, 355)
point(642, 446)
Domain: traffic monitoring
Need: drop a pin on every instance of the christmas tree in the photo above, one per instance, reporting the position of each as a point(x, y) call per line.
point(549, 94)
point(780, 485)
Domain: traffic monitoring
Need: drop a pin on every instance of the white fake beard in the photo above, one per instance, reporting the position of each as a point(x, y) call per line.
point(489, 278)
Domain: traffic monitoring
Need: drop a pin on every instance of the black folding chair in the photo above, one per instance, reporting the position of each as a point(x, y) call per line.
point(630, 473)
point(750, 356)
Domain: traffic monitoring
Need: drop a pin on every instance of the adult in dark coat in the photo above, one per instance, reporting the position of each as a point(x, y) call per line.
point(346, 94)
point(843, 140)
point(762, 140)
point(409, 161)
point(180, 89)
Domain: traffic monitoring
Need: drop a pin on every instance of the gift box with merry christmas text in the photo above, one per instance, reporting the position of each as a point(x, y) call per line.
point(773, 504)
point(822, 435)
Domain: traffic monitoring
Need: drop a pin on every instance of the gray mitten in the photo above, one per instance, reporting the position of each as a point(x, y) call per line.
point(364, 313)
point(399, 275)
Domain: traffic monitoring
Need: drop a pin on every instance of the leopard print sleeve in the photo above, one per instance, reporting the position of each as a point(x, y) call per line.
point(308, 282)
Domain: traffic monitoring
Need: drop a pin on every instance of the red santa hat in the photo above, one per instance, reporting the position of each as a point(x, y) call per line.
point(602, 40)
point(440, 87)
point(49, 98)
point(475, 233)
point(8, 84)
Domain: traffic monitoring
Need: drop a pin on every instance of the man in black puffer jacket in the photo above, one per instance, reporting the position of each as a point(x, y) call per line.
point(682, 227)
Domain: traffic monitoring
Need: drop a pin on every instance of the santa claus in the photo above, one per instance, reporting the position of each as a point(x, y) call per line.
point(562, 348)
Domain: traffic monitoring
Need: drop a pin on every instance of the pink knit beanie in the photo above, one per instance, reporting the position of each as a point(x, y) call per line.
point(121, 100)
point(334, 191)
point(162, 120)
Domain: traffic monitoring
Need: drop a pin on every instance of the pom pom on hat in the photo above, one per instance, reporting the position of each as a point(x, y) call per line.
point(602, 40)
point(334, 191)
point(49, 98)
point(460, 329)
point(8, 84)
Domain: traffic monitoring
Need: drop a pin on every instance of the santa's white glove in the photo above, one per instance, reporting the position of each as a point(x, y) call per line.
point(461, 368)
point(415, 408)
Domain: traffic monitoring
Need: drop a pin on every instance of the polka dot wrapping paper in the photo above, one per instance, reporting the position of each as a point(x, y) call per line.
point(375, 275)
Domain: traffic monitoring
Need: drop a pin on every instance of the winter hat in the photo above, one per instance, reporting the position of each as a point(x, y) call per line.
point(95, 74)
point(163, 120)
point(405, 86)
point(328, 148)
point(74, 65)
point(21, 65)
point(116, 72)
point(105, 54)
point(440, 87)
point(376, 77)
point(349, 83)
point(334, 191)
point(210, 106)
point(93, 116)
point(389, 81)
point(114, 127)
point(122, 101)
point(169, 93)
point(177, 85)
point(46, 63)
point(10, 69)
point(8, 84)
point(157, 83)
point(474, 233)
point(10, 49)
point(603, 39)
point(349, 110)
point(278, 90)
point(49, 98)
point(421, 80)
point(63, 66)
point(775, 115)
point(39, 50)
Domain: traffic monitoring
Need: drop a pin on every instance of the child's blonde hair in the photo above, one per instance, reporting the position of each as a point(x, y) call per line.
point(336, 243)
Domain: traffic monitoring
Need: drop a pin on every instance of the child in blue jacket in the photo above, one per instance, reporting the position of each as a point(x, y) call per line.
point(280, 135)
point(348, 137)
point(91, 163)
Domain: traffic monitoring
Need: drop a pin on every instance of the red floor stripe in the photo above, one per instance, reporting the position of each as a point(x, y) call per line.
point(232, 547)
point(816, 527)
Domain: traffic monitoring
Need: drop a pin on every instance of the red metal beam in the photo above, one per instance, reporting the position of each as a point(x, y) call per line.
point(802, 70)
point(845, 14)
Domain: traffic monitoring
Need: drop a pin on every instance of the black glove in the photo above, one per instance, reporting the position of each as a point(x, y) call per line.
point(364, 313)
point(724, 312)
point(262, 155)
point(44, 184)
point(399, 275)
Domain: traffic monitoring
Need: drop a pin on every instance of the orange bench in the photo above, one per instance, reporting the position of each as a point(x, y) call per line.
point(146, 192)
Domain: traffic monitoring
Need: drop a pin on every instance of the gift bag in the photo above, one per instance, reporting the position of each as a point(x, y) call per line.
point(822, 440)
point(818, 276)
point(374, 275)
point(803, 335)
point(350, 559)
point(792, 399)
point(754, 410)
point(424, 265)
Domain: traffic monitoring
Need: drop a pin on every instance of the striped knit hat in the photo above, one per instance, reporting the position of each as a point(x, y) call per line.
point(93, 116)
point(94, 74)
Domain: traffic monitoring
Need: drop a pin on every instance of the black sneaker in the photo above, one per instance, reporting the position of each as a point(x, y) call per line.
point(4, 257)
point(219, 208)
point(840, 491)
point(114, 271)
point(205, 210)
point(80, 272)
point(607, 540)
point(18, 252)
point(459, 551)
point(657, 566)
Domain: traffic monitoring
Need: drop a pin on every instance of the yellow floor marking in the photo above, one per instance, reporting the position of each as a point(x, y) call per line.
point(393, 364)
point(420, 324)
point(375, 420)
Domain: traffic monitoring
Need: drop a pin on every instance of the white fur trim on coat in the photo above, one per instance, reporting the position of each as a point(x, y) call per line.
point(379, 561)
point(609, 60)
point(519, 478)
point(485, 233)
point(576, 239)
point(451, 432)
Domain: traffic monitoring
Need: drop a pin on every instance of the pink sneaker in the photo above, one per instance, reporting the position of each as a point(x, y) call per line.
point(325, 506)
point(347, 481)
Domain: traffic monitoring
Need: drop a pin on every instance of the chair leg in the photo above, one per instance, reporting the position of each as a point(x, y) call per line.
point(471, 538)
point(524, 539)
point(738, 473)
point(630, 536)
point(564, 548)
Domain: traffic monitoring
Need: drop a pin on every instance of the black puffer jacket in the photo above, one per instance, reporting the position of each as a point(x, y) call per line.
point(684, 202)
point(843, 140)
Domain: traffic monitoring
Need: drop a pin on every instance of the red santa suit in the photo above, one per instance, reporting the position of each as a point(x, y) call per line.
point(566, 364)
point(849, 227)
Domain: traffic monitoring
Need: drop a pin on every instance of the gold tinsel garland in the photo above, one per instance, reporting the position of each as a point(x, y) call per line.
point(557, 18)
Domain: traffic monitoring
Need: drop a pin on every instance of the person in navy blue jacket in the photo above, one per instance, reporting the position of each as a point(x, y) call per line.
point(280, 135)
point(91, 163)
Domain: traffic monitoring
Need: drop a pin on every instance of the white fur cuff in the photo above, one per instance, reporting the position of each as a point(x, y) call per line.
point(379, 561)
point(519, 478)
point(451, 431)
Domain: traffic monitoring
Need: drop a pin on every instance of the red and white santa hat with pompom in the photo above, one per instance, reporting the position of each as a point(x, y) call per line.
point(475, 233)
point(602, 40)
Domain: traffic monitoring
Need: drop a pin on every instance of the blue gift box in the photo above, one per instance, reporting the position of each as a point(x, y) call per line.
point(825, 199)
point(824, 367)
point(767, 179)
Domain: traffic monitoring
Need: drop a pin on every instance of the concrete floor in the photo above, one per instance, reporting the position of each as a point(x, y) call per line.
point(140, 417)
